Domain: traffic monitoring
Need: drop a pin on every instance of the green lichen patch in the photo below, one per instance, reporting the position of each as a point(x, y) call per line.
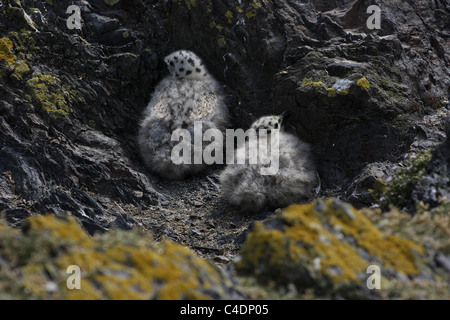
point(397, 189)
point(229, 16)
point(432, 232)
point(306, 82)
point(363, 83)
point(390, 89)
point(319, 86)
point(111, 2)
point(18, 13)
point(221, 42)
point(9, 63)
point(52, 94)
point(25, 42)
point(331, 92)
point(116, 265)
point(252, 8)
point(326, 245)
point(340, 87)
point(20, 70)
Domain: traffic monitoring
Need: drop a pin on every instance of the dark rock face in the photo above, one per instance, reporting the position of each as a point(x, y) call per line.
point(434, 186)
point(270, 52)
point(285, 249)
point(70, 100)
point(53, 161)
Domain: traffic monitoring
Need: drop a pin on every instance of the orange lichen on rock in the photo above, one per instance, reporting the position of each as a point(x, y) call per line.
point(6, 53)
point(115, 265)
point(324, 244)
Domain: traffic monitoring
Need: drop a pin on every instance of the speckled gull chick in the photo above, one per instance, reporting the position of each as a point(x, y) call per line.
point(244, 186)
point(188, 94)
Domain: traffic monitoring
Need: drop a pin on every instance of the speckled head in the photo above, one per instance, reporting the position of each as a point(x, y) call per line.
point(186, 64)
point(270, 122)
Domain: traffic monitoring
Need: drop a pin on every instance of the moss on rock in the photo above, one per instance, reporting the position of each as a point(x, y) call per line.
point(252, 9)
point(221, 42)
point(326, 245)
point(363, 83)
point(12, 65)
point(25, 42)
point(16, 12)
point(432, 232)
point(332, 92)
point(397, 189)
point(111, 2)
point(20, 70)
point(116, 265)
point(53, 96)
point(6, 53)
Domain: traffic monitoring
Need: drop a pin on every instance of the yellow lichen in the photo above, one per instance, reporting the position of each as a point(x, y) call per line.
point(19, 13)
point(221, 42)
point(6, 53)
point(20, 69)
point(25, 42)
point(190, 3)
point(251, 10)
point(116, 265)
point(34, 280)
point(309, 229)
point(316, 237)
point(229, 16)
point(318, 84)
point(16, 64)
point(363, 83)
point(307, 82)
point(255, 4)
point(52, 94)
point(392, 251)
point(61, 229)
point(111, 2)
point(331, 92)
point(270, 241)
point(251, 14)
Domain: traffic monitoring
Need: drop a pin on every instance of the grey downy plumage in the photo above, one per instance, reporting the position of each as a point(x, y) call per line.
point(244, 186)
point(188, 94)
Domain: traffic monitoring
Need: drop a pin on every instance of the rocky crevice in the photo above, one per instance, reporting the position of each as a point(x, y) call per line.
point(70, 103)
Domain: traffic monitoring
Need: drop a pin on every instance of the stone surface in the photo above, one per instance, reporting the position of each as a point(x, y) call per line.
point(88, 87)
point(330, 247)
point(70, 102)
point(40, 262)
